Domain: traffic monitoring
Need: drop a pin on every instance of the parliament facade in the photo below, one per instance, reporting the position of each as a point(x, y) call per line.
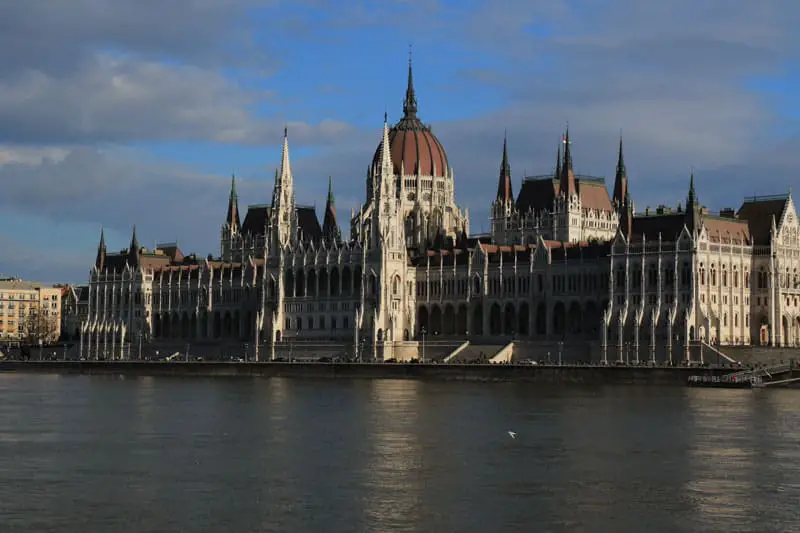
point(564, 262)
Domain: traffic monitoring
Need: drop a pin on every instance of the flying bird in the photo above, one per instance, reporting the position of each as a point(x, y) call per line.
point(512, 434)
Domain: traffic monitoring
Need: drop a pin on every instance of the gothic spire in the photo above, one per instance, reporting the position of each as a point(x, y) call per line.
point(621, 179)
point(330, 228)
point(410, 103)
point(567, 185)
point(133, 249)
point(557, 173)
point(505, 192)
point(284, 215)
point(286, 169)
point(691, 200)
point(232, 218)
point(692, 207)
point(101, 251)
point(386, 154)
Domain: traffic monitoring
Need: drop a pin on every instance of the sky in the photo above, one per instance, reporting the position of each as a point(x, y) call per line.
point(137, 112)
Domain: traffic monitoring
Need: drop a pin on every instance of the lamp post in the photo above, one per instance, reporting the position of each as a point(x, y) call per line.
point(560, 350)
point(139, 357)
point(422, 357)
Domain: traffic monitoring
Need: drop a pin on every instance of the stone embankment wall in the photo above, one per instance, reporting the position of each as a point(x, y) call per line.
point(757, 355)
point(590, 375)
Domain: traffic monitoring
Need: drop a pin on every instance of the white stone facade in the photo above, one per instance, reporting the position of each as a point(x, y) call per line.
point(572, 265)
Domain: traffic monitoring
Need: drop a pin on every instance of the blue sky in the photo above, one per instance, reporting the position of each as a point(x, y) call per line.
point(128, 112)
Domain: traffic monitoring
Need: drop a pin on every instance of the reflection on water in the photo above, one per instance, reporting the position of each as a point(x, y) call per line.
point(723, 454)
point(341, 456)
point(745, 442)
point(393, 473)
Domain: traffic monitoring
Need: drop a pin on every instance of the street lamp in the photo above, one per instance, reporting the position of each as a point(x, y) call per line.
point(422, 357)
point(560, 350)
point(140, 346)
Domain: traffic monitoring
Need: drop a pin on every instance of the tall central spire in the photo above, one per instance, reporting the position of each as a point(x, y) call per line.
point(410, 103)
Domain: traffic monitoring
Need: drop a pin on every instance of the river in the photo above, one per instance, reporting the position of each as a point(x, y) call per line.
point(157, 454)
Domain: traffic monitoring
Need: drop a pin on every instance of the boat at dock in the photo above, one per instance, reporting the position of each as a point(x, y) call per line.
point(720, 382)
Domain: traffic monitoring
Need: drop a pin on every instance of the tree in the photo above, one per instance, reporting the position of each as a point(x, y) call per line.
point(39, 325)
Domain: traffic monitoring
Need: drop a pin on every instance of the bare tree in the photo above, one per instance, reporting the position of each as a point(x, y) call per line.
point(40, 325)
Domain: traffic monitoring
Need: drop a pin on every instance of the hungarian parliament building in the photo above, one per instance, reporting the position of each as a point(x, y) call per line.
point(565, 263)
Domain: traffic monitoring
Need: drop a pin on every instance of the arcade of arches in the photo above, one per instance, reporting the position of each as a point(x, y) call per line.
point(511, 318)
point(231, 325)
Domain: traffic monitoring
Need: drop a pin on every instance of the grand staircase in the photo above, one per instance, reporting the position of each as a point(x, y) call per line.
point(475, 353)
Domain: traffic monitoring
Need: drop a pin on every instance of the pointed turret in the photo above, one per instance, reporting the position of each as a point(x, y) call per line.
point(133, 249)
point(330, 228)
point(691, 198)
point(620, 180)
point(286, 167)
point(386, 151)
point(410, 103)
point(567, 181)
point(505, 193)
point(283, 206)
point(232, 218)
point(692, 207)
point(100, 260)
point(557, 172)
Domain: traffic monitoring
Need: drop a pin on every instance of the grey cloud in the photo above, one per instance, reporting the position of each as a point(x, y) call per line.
point(110, 100)
point(68, 32)
point(117, 191)
point(118, 71)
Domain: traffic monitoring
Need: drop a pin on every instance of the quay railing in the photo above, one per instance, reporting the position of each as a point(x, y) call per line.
point(767, 371)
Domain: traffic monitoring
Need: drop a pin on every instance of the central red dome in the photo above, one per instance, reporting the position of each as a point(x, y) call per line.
point(412, 144)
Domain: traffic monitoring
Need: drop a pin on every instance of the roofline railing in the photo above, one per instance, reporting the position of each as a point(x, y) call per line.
point(766, 197)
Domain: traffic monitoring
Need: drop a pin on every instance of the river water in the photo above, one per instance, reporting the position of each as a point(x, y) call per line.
point(102, 454)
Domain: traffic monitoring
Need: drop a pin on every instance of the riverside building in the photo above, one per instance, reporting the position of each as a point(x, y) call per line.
point(567, 266)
